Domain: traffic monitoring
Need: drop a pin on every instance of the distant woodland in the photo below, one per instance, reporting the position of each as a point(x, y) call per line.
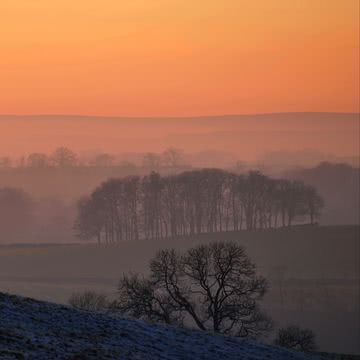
point(193, 202)
point(61, 197)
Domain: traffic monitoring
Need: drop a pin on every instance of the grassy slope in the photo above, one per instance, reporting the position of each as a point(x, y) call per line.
point(37, 330)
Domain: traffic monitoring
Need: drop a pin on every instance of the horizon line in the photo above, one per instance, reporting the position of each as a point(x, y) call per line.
point(178, 116)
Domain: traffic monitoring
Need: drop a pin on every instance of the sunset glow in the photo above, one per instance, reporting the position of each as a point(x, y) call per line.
point(179, 179)
point(176, 57)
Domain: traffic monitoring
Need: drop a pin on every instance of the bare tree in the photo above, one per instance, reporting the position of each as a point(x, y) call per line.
point(88, 301)
point(313, 203)
point(293, 337)
point(151, 191)
point(127, 166)
point(64, 157)
point(37, 160)
point(90, 220)
point(214, 287)
point(16, 207)
point(5, 162)
point(103, 160)
point(141, 298)
point(173, 157)
point(151, 161)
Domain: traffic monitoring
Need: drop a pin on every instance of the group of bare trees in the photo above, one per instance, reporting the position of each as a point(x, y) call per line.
point(193, 202)
point(60, 157)
point(63, 157)
point(170, 158)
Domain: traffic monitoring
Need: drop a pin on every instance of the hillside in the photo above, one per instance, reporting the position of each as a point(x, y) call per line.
point(31, 329)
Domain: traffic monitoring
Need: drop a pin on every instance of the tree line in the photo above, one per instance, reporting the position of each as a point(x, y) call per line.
point(193, 202)
point(64, 157)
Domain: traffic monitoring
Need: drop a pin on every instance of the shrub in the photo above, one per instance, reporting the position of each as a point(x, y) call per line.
point(293, 337)
point(88, 301)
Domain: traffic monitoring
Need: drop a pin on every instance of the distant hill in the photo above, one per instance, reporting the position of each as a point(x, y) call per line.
point(35, 330)
point(246, 136)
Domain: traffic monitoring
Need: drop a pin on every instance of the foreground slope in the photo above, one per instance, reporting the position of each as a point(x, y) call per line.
point(32, 329)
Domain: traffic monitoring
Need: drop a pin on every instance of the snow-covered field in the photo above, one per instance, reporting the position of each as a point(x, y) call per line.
point(31, 329)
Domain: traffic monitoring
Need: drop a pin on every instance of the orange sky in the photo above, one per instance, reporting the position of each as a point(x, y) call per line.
point(178, 57)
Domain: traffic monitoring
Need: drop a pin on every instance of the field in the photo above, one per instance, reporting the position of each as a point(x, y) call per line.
point(313, 273)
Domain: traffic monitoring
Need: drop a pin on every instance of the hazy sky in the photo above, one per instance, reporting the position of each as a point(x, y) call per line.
point(178, 57)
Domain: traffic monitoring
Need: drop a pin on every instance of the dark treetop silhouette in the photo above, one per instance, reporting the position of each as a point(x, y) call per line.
point(193, 202)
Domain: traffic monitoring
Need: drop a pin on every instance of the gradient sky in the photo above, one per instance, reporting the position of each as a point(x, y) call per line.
point(178, 57)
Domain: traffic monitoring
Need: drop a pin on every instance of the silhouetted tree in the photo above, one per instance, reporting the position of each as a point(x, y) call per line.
point(172, 206)
point(16, 207)
point(127, 166)
point(89, 301)
point(151, 205)
point(90, 220)
point(295, 201)
point(103, 160)
point(313, 203)
point(64, 157)
point(293, 337)
point(173, 157)
point(140, 298)
point(5, 162)
point(37, 160)
point(151, 161)
point(214, 286)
